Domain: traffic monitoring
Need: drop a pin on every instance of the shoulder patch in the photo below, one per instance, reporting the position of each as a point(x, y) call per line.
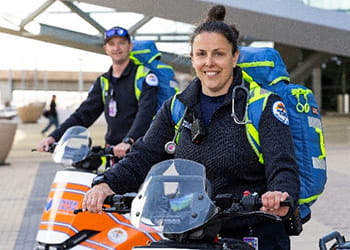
point(280, 112)
point(152, 79)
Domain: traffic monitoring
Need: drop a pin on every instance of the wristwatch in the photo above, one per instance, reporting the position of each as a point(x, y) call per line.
point(98, 179)
point(128, 140)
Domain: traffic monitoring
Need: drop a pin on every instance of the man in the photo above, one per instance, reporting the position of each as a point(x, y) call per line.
point(128, 116)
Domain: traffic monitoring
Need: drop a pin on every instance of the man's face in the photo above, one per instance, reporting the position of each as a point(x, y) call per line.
point(118, 49)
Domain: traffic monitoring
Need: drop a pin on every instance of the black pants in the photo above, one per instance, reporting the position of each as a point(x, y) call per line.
point(271, 235)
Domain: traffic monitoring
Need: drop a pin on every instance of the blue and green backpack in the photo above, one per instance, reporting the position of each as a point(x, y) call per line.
point(146, 55)
point(264, 69)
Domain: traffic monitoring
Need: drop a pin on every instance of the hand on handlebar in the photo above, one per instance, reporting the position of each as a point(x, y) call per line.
point(121, 149)
point(271, 203)
point(95, 197)
point(44, 144)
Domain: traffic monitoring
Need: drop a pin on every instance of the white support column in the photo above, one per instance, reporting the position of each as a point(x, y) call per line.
point(346, 103)
point(317, 86)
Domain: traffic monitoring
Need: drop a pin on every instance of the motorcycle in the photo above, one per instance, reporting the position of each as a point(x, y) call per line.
point(175, 201)
point(59, 227)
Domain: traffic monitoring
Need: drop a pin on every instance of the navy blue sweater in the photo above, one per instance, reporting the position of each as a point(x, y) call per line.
point(231, 164)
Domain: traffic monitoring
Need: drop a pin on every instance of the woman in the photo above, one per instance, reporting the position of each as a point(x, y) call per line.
point(222, 145)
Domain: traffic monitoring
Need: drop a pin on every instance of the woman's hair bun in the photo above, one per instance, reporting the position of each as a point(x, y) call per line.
point(216, 13)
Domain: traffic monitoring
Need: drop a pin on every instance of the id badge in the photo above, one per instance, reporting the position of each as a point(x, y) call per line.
point(252, 241)
point(112, 108)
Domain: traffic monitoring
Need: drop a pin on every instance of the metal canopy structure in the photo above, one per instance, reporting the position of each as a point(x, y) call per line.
point(286, 22)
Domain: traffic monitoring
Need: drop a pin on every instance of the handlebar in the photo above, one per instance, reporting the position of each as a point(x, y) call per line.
point(51, 148)
point(340, 241)
point(93, 160)
point(118, 203)
point(247, 205)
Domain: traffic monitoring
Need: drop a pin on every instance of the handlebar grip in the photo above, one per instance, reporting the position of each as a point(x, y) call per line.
point(287, 203)
point(76, 211)
point(109, 151)
point(253, 202)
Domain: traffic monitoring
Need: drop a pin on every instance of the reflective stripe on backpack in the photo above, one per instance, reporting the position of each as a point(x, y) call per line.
point(256, 105)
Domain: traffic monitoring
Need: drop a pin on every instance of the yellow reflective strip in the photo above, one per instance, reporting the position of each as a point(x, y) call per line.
point(142, 51)
point(278, 79)
point(137, 93)
point(258, 97)
point(104, 160)
point(140, 72)
point(162, 66)
point(253, 134)
point(247, 77)
point(322, 146)
point(154, 57)
point(256, 94)
point(105, 82)
point(257, 64)
point(135, 60)
point(254, 85)
point(309, 199)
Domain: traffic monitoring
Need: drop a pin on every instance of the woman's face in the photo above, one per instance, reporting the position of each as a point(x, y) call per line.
point(213, 62)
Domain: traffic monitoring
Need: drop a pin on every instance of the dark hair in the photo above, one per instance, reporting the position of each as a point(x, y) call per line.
point(214, 22)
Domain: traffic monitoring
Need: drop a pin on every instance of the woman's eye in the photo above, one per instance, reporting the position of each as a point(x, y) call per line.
point(200, 54)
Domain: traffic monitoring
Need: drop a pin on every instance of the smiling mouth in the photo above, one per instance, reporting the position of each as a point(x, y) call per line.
point(211, 73)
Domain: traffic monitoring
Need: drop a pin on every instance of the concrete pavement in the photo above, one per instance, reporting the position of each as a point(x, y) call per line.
point(25, 183)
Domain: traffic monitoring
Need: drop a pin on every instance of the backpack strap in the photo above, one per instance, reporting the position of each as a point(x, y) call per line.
point(178, 112)
point(256, 104)
point(141, 73)
point(104, 82)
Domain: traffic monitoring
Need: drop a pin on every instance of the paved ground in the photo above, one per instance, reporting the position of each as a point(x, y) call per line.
point(25, 183)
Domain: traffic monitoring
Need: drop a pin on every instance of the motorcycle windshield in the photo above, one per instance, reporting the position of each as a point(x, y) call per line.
point(73, 146)
point(173, 198)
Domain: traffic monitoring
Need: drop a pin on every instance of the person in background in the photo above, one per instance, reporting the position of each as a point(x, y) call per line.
point(209, 135)
point(51, 115)
point(113, 94)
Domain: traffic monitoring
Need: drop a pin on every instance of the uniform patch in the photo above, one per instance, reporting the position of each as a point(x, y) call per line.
point(152, 79)
point(280, 112)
